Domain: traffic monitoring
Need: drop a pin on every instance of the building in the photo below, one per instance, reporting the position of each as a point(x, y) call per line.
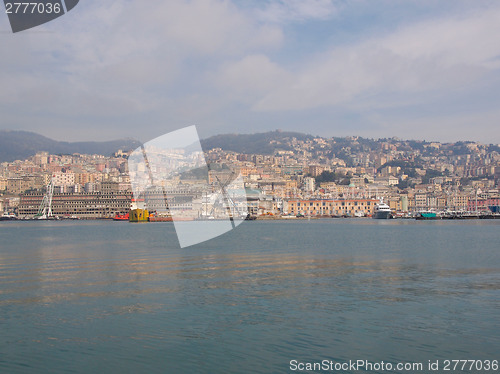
point(16, 186)
point(315, 170)
point(458, 202)
point(309, 184)
point(328, 207)
point(81, 205)
point(482, 204)
point(63, 179)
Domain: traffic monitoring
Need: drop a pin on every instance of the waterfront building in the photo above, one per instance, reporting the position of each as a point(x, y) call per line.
point(329, 207)
point(354, 207)
point(458, 202)
point(482, 204)
point(82, 205)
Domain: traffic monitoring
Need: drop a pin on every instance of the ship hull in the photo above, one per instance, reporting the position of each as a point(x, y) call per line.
point(427, 216)
point(381, 215)
point(8, 218)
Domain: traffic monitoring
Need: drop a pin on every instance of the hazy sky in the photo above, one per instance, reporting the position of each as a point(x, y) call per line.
point(133, 68)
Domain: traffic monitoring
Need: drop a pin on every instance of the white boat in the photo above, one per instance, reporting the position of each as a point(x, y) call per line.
point(382, 211)
point(8, 217)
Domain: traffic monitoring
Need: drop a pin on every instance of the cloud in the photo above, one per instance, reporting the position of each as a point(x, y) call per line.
point(125, 57)
point(440, 55)
point(118, 65)
point(447, 127)
point(251, 77)
point(284, 11)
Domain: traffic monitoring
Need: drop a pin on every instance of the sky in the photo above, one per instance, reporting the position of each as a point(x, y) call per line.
point(109, 69)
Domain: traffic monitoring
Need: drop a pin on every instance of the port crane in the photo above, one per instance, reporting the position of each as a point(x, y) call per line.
point(45, 209)
point(231, 207)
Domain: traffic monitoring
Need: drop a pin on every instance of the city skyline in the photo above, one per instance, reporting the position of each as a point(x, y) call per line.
point(418, 70)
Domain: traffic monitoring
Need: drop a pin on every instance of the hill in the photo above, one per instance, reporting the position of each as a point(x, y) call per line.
point(19, 145)
point(262, 143)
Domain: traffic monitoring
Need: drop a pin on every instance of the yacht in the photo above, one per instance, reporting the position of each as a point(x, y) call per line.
point(8, 217)
point(382, 211)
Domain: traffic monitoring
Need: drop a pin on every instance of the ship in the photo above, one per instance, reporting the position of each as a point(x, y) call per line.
point(427, 215)
point(121, 217)
point(154, 217)
point(138, 212)
point(382, 211)
point(8, 217)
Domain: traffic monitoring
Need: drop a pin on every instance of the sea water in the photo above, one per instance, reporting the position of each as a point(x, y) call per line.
point(267, 297)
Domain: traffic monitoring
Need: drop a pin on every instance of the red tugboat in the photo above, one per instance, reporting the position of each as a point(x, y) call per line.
point(121, 217)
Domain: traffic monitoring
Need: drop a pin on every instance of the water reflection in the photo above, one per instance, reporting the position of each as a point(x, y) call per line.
point(127, 297)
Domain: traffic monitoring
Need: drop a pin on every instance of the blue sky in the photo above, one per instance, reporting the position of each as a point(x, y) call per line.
point(128, 68)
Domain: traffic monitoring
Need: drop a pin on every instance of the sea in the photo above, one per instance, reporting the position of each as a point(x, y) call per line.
point(277, 296)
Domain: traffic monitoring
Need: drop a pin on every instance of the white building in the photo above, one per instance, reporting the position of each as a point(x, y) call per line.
point(63, 179)
point(309, 184)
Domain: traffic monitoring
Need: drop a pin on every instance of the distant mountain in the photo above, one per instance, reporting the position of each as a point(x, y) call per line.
point(20, 145)
point(263, 143)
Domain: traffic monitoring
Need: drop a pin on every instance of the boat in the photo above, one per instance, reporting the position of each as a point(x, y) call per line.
point(490, 216)
point(160, 219)
point(121, 217)
point(205, 218)
point(155, 217)
point(46, 217)
point(72, 217)
point(138, 213)
point(382, 211)
point(427, 215)
point(8, 217)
